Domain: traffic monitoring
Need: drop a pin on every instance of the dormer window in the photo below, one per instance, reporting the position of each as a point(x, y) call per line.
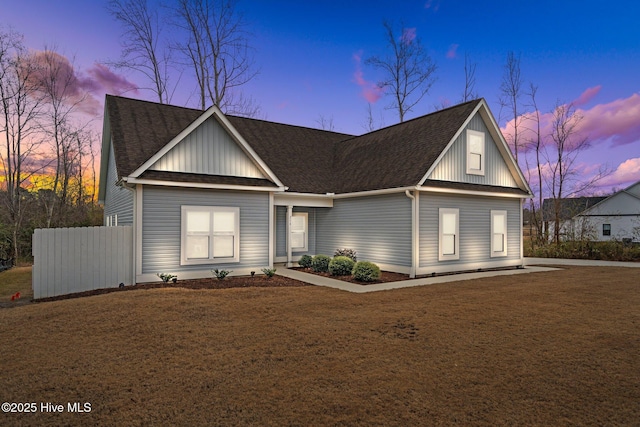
point(475, 152)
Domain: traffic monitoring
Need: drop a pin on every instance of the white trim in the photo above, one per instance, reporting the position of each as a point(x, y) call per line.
point(138, 207)
point(272, 234)
point(214, 112)
point(414, 230)
point(302, 199)
point(503, 252)
point(469, 266)
point(456, 236)
point(132, 180)
point(481, 135)
point(471, 192)
point(373, 192)
point(287, 236)
point(211, 260)
point(416, 247)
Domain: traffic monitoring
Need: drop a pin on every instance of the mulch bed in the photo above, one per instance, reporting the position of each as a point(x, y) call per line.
point(385, 277)
point(209, 283)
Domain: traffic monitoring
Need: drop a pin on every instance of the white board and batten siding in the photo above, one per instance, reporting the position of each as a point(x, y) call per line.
point(474, 232)
point(209, 149)
point(70, 260)
point(452, 166)
point(161, 221)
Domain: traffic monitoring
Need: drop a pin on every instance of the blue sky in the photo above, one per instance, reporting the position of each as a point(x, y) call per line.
point(307, 54)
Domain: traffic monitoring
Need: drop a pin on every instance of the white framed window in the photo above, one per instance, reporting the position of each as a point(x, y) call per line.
point(299, 234)
point(111, 220)
point(449, 234)
point(475, 152)
point(498, 233)
point(209, 234)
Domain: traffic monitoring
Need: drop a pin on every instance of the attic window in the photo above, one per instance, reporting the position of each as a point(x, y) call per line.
point(475, 152)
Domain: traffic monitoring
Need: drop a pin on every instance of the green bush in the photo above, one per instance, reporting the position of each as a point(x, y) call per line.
point(350, 253)
point(305, 261)
point(320, 263)
point(341, 266)
point(221, 274)
point(269, 272)
point(366, 271)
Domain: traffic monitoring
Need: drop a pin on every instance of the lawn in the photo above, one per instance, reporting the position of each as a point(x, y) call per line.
point(553, 348)
point(14, 280)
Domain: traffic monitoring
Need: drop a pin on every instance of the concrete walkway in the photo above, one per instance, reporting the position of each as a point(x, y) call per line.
point(352, 287)
point(582, 262)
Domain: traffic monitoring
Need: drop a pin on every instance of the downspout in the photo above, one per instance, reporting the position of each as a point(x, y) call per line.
point(412, 273)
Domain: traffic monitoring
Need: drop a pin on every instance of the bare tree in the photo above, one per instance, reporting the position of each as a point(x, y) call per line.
point(409, 71)
point(536, 144)
point(325, 123)
point(566, 144)
point(20, 107)
point(510, 94)
point(143, 50)
point(469, 80)
point(58, 84)
point(218, 50)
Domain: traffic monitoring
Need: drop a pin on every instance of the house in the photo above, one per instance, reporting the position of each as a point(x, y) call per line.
point(616, 217)
point(203, 190)
point(567, 209)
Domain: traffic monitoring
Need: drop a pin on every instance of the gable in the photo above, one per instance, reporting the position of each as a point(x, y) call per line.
point(620, 203)
point(453, 164)
point(634, 189)
point(208, 149)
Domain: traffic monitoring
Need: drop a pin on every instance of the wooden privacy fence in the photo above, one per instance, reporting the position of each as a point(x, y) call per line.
point(69, 260)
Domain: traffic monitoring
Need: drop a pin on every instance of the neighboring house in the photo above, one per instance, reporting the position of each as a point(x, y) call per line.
point(204, 190)
point(616, 217)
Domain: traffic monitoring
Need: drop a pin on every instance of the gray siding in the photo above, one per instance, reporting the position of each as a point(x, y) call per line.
point(475, 228)
point(453, 166)
point(209, 149)
point(117, 201)
point(377, 227)
point(281, 230)
point(161, 227)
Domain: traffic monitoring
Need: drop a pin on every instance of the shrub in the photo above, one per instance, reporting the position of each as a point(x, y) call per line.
point(350, 253)
point(366, 271)
point(341, 266)
point(320, 263)
point(269, 272)
point(305, 261)
point(221, 274)
point(166, 277)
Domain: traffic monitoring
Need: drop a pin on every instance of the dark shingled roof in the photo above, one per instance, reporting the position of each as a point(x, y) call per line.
point(568, 207)
point(305, 160)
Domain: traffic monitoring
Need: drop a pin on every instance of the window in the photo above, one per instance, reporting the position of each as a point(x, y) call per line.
point(299, 232)
point(475, 152)
point(210, 234)
point(606, 229)
point(449, 241)
point(498, 233)
point(111, 221)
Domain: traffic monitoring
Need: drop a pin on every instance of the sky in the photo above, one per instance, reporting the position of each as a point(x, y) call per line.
point(310, 58)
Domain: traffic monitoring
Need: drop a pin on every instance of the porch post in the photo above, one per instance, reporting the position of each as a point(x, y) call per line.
point(289, 251)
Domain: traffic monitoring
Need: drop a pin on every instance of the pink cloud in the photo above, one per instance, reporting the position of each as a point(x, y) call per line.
point(101, 79)
point(587, 95)
point(626, 173)
point(615, 122)
point(452, 52)
point(408, 35)
point(71, 86)
point(370, 91)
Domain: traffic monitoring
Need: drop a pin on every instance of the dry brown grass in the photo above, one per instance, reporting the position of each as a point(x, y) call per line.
point(555, 348)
